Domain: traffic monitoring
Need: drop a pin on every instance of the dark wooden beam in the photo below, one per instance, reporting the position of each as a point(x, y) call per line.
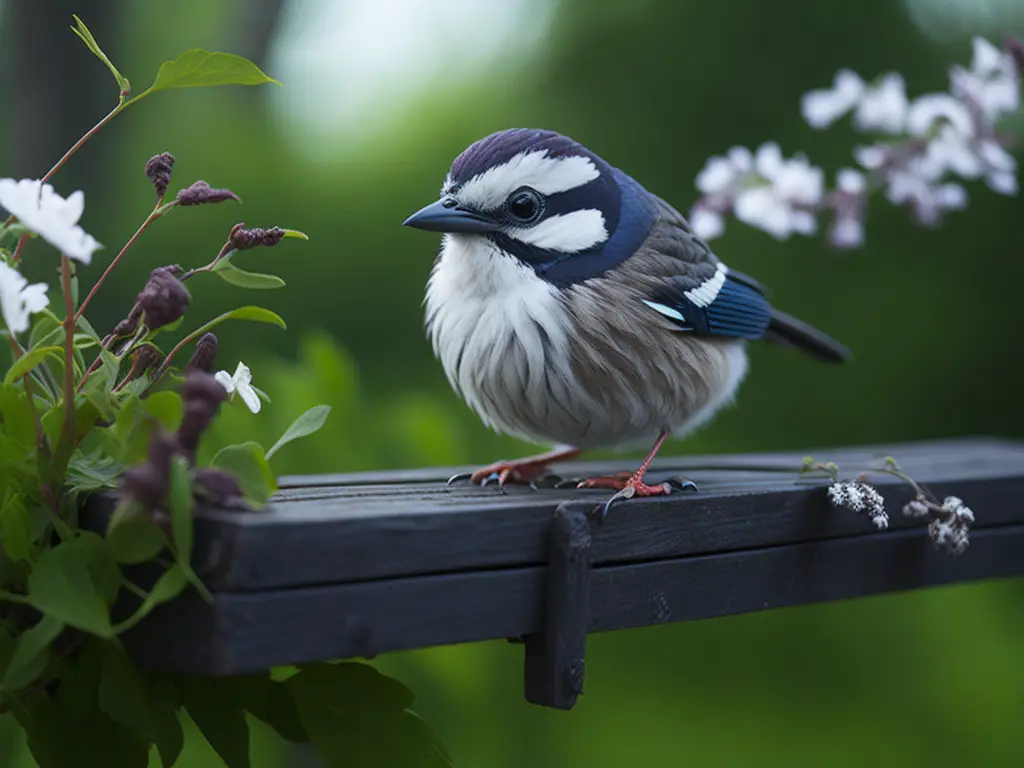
point(356, 565)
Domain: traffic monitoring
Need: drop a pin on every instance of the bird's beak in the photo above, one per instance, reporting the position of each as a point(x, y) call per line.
point(447, 216)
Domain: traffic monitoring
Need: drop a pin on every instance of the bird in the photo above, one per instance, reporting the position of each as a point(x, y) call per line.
point(571, 307)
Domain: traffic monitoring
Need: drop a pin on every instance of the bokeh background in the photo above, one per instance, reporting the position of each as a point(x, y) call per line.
point(378, 97)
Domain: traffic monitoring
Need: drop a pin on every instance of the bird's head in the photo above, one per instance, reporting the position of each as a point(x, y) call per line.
point(543, 199)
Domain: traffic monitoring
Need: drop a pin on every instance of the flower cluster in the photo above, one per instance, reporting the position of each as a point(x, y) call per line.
point(55, 219)
point(861, 498)
point(929, 139)
point(950, 521)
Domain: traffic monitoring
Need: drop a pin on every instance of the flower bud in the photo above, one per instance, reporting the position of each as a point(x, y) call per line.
point(148, 483)
point(158, 170)
point(145, 358)
point(201, 193)
point(217, 486)
point(203, 396)
point(205, 356)
point(164, 298)
point(242, 239)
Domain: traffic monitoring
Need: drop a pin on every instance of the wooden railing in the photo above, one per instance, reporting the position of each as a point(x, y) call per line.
point(355, 565)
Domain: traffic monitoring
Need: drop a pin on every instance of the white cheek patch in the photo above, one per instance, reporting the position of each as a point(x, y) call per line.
point(548, 175)
point(566, 233)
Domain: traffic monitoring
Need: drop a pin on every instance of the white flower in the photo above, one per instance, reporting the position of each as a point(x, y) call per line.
point(779, 205)
point(992, 83)
point(860, 497)
point(18, 299)
point(873, 157)
point(823, 107)
point(847, 229)
point(721, 174)
point(240, 382)
point(883, 106)
point(706, 223)
point(41, 209)
point(928, 200)
point(926, 110)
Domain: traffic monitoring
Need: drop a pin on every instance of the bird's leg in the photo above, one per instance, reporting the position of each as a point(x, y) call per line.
point(629, 485)
point(524, 470)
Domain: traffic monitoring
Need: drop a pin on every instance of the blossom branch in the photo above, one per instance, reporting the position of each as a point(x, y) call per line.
point(69, 350)
point(931, 137)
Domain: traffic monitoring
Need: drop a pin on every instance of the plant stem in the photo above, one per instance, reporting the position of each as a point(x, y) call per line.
point(224, 249)
point(16, 256)
point(69, 349)
point(153, 216)
point(88, 135)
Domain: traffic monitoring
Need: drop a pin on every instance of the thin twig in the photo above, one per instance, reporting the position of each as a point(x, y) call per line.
point(153, 216)
point(69, 349)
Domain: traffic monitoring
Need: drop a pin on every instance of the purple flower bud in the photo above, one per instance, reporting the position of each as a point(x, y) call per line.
point(201, 193)
point(127, 326)
point(148, 483)
point(203, 396)
point(217, 486)
point(243, 239)
point(205, 356)
point(165, 298)
point(145, 358)
point(158, 170)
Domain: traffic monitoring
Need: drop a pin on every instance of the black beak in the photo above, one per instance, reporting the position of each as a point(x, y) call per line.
point(446, 216)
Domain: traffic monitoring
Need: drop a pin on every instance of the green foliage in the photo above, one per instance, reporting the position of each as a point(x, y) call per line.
point(120, 422)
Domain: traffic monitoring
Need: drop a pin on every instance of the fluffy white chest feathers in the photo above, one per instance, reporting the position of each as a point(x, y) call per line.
point(499, 329)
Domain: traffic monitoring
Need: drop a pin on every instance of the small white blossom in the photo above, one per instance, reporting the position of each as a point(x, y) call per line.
point(860, 497)
point(873, 157)
point(883, 106)
point(19, 300)
point(241, 382)
point(706, 223)
point(928, 201)
point(778, 205)
point(824, 106)
point(847, 229)
point(991, 85)
point(954, 507)
point(55, 219)
point(720, 174)
point(925, 111)
point(949, 536)
point(916, 508)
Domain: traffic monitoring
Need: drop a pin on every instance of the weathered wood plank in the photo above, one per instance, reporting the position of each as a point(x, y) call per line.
point(244, 632)
point(402, 525)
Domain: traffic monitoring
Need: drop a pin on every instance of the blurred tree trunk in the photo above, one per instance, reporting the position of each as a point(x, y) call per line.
point(55, 89)
point(256, 29)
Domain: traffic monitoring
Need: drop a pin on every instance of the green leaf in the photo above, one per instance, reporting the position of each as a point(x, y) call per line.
point(215, 709)
point(74, 582)
point(253, 280)
point(199, 68)
point(296, 234)
point(271, 701)
point(14, 527)
point(356, 716)
point(255, 314)
point(306, 424)
point(125, 695)
point(29, 656)
point(166, 407)
point(182, 524)
point(16, 412)
point(30, 360)
point(93, 472)
point(249, 466)
point(90, 42)
point(132, 536)
point(170, 584)
point(12, 233)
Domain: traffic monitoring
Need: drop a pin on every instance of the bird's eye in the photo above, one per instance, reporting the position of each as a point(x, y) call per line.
point(525, 205)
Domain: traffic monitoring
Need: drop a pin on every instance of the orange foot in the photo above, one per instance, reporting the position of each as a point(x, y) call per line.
point(525, 471)
point(630, 485)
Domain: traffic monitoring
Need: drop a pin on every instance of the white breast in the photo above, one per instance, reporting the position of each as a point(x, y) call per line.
point(500, 334)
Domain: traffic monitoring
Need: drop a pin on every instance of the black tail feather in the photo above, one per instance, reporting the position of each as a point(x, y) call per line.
point(786, 329)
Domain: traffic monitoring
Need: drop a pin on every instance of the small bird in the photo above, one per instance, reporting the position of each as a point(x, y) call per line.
point(571, 307)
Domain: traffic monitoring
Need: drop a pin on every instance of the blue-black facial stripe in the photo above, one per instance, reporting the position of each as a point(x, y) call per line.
point(628, 222)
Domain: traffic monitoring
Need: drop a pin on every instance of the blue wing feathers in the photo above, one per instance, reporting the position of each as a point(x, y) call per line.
point(739, 309)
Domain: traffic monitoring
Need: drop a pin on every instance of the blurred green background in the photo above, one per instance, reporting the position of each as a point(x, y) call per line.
point(378, 97)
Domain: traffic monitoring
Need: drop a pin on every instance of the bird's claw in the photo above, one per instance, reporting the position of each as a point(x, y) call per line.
point(459, 476)
point(682, 484)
